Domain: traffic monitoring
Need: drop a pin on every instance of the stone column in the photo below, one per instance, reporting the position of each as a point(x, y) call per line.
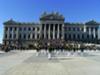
point(89, 31)
point(54, 31)
point(31, 36)
point(62, 32)
point(8, 33)
point(45, 31)
point(35, 33)
point(58, 31)
point(84, 28)
point(13, 32)
point(17, 33)
point(94, 32)
point(49, 32)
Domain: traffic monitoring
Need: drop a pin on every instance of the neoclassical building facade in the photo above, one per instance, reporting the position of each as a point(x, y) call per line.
point(52, 29)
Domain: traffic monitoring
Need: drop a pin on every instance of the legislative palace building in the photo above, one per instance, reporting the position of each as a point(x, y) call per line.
point(51, 29)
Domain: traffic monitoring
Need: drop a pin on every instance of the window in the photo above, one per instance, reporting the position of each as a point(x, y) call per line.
point(10, 36)
point(87, 35)
point(69, 36)
point(74, 36)
point(33, 36)
point(96, 36)
point(87, 29)
point(24, 36)
point(15, 28)
point(29, 29)
point(65, 36)
point(10, 28)
point(29, 36)
point(60, 35)
point(33, 29)
point(55, 35)
point(47, 35)
point(14, 36)
point(96, 29)
point(5, 36)
point(69, 28)
point(6, 28)
point(24, 28)
point(37, 28)
point(78, 29)
point(91, 29)
point(82, 29)
point(20, 29)
point(47, 26)
point(92, 36)
point(51, 36)
point(73, 28)
point(51, 28)
point(20, 36)
point(78, 36)
point(82, 36)
point(43, 26)
point(38, 36)
point(60, 27)
point(43, 36)
point(56, 27)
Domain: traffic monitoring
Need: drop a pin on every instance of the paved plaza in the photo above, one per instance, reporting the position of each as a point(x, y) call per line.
point(27, 63)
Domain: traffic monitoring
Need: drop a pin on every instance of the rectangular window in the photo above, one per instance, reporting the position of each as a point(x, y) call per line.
point(6, 28)
point(29, 29)
point(33, 36)
point(33, 29)
point(20, 29)
point(5, 36)
point(10, 28)
point(15, 29)
point(37, 28)
point(14, 36)
point(24, 28)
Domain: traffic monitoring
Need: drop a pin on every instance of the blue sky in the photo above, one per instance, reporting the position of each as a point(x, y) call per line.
point(30, 10)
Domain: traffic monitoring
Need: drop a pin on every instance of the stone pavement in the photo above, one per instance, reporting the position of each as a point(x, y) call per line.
point(28, 64)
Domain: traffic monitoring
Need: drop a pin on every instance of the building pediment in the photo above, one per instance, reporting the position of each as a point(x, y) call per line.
point(52, 16)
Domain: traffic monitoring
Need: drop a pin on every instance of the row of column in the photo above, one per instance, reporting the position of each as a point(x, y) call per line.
point(17, 33)
point(54, 32)
point(93, 32)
